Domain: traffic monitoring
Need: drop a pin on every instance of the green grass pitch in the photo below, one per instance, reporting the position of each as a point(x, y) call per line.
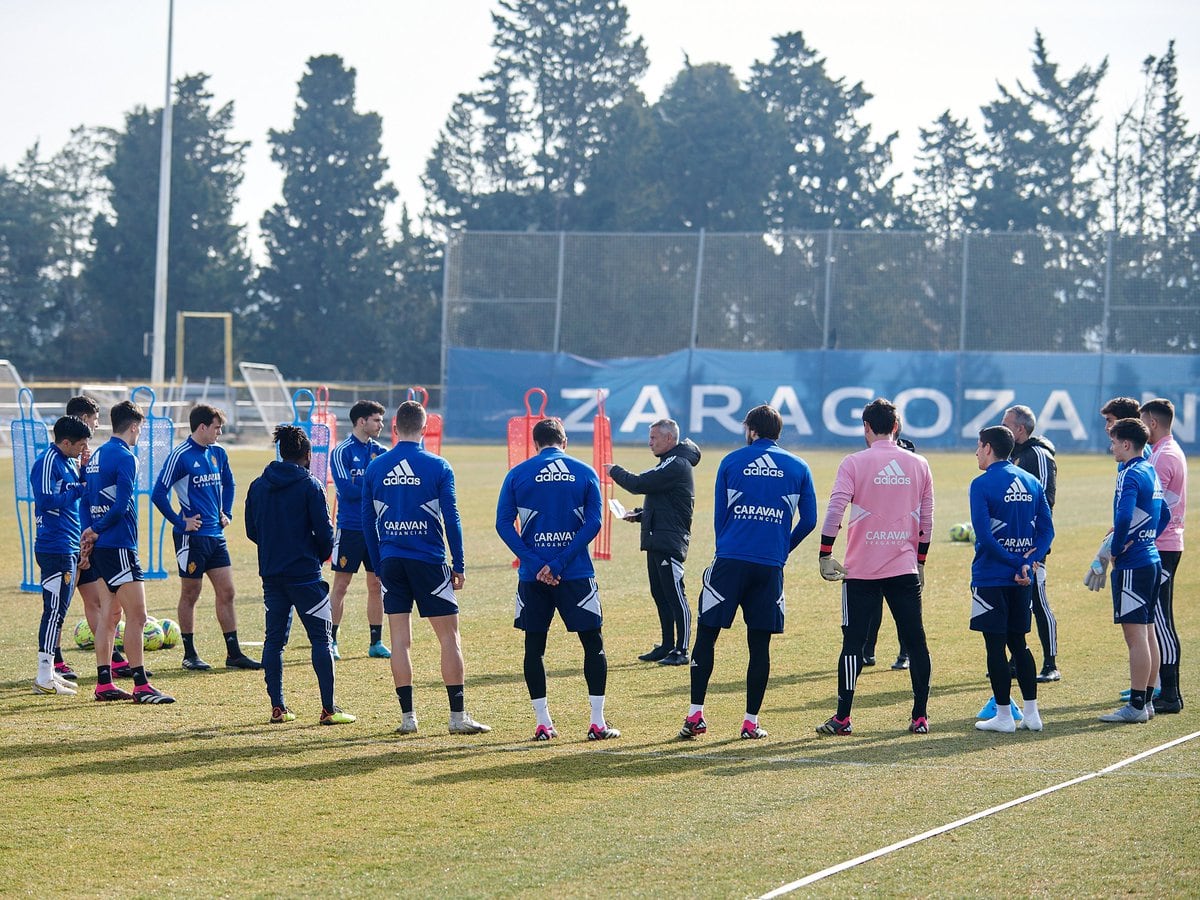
point(204, 798)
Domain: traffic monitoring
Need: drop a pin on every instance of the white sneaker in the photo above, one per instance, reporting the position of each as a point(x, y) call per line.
point(408, 725)
point(56, 686)
point(1031, 722)
point(1008, 726)
point(1126, 715)
point(462, 723)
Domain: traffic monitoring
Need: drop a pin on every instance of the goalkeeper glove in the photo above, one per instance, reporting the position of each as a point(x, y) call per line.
point(831, 569)
point(921, 575)
point(1094, 579)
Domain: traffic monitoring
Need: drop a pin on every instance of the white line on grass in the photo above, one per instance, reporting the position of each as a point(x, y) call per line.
point(942, 829)
point(823, 761)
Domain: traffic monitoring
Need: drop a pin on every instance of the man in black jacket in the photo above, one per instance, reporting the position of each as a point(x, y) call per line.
point(286, 516)
point(1036, 456)
point(666, 532)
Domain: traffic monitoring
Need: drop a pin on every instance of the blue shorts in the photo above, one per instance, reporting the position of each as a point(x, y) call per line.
point(757, 589)
point(349, 552)
point(1001, 609)
point(1135, 594)
point(577, 602)
point(198, 553)
point(116, 566)
point(87, 576)
point(429, 585)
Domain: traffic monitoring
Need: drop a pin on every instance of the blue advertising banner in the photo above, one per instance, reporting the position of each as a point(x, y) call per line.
point(943, 398)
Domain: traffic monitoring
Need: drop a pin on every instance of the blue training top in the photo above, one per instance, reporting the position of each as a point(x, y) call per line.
point(203, 482)
point(110, 509)
point(409, 508)
point(556, 500)
point(348, 462)
point(1139, 515)
point(1010, 516)
point(760, 489)
point(57, 490)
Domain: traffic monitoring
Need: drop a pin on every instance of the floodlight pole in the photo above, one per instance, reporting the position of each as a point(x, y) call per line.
point(158, 363)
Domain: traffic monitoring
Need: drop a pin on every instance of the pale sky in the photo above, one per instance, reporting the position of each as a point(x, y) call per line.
point(65, 63)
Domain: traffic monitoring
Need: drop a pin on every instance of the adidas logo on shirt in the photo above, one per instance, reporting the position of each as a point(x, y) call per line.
point(1016, 493)
point(556, 470)
point(892, 474)
point(764, 465)
point(401, 473)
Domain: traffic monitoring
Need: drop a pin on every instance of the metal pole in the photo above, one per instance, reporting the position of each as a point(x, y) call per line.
point(696, 291)
point(558, 301)
point(1108, 267)
point(828, 287)
point(179, 326)
point(450, 238)
point(962, 300)
point(159, 350)
point(228, 350)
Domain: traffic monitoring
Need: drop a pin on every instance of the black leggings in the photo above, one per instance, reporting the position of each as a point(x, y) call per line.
point(595, 663)
point(998, 671)
point(862, 604)
point(758, 671)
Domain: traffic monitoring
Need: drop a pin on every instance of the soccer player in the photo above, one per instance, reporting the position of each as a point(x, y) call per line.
point(85, 409)
point(112, 536)
point(760, 489)
point(1170, 465)
point(1035, 455)
point(1013, 533)
point(555, 501)
point(666, 532)
point(349, 462)
point(1139, 516)
point(57, 490)
point(287, 517)
point(409, 514)
point(198, 472)
point(887, 539)
point(1119, 408)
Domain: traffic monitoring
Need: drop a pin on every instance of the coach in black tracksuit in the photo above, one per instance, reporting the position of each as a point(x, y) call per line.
point(666, 532)
point(1035, 455)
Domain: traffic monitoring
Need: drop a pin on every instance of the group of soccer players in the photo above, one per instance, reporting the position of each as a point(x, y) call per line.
point(397, 513)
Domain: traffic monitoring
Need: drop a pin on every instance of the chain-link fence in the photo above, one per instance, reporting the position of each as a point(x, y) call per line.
point(615, 295)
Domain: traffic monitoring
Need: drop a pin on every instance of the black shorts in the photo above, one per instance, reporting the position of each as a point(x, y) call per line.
point(87, 576)
point(1135, 594)
point(577, 601)
point(1002, 609)
point(116, 566)
point(349, 552)
point(199, 553)
point(756, 588)
point(408, 581)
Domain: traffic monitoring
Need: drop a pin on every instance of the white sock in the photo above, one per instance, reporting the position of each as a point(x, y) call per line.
point(694, 708)
point(753, 720)
point(597, 710)
point(1031, 708)
point(1004, 712)
point(541, 709)
point(45, 667)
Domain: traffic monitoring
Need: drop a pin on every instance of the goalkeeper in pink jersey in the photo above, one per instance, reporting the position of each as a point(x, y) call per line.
point(890, 494)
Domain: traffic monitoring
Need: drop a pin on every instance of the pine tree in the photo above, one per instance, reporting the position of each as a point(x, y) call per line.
point(208, 264)
point(519, 152)
point(325, 291)
point(835, 174)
